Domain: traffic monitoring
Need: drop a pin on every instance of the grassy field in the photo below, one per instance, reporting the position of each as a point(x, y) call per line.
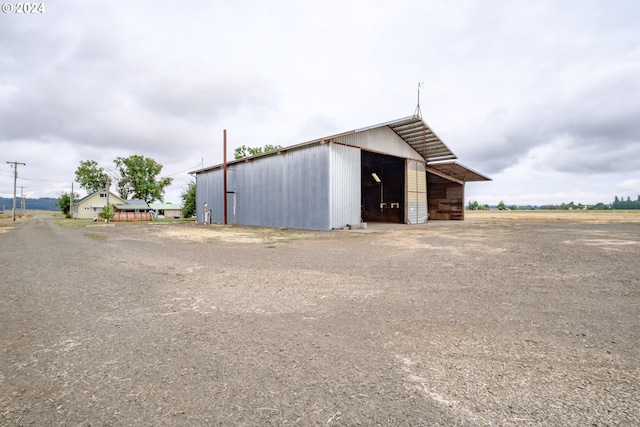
point(595, 217)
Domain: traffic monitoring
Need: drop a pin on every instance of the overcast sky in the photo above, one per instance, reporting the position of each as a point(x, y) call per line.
point(543, 97)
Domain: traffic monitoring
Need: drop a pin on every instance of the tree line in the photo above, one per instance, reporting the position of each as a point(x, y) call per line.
point(40, 204)
point(618, 203)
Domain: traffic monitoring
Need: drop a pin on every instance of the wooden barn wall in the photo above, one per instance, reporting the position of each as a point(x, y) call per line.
point(445, 199)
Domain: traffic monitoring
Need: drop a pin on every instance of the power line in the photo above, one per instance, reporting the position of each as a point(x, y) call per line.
point(183, 171)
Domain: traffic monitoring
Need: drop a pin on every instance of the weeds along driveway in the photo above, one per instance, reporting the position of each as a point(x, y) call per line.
point(455, 323)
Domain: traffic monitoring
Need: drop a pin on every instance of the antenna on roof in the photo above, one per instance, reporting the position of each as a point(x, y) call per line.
point(418, 112)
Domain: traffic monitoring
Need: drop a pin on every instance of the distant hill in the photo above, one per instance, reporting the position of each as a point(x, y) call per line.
point(41, 204)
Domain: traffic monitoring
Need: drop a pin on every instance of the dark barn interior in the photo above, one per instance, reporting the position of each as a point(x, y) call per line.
point(383, 183)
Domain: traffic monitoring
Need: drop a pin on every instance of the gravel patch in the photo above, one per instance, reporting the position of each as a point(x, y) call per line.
point(443, 324)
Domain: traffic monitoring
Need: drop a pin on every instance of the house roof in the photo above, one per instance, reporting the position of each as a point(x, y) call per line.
point(165, 206)
point(128, 208)
point(88, 196)
point(132, 205)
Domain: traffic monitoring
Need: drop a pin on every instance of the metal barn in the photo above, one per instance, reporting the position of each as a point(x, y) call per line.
point(398, 172)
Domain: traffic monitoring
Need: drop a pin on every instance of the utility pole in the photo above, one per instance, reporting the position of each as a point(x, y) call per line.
point(71, 202)
point(108, 207)
point(15, 186)
point(22, 201)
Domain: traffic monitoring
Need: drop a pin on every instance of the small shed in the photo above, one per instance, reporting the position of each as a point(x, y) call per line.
point(399, 171)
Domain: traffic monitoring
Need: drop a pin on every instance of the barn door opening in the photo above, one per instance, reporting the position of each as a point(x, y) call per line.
point(382, 188)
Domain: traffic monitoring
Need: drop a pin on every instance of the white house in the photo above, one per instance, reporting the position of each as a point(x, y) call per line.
point(91, 205)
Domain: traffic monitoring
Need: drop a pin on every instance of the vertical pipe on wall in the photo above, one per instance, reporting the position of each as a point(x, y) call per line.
point(224, 173)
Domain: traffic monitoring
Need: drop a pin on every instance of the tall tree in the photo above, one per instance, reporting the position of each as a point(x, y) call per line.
point(189, 200)
point(139, 178)
point(91, 177)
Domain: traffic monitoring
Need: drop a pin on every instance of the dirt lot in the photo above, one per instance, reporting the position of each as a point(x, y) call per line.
point(483, 322)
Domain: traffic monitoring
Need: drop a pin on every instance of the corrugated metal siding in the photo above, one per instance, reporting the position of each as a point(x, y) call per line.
point(308, 188)
point(416, 192)
point(382, 140)
point(346, 189)
point(285, 190)
point(209, 189)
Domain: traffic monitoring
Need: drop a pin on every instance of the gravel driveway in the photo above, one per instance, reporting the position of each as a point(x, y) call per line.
point(447, 323)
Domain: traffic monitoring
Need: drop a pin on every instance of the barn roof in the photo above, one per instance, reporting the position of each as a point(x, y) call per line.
point(413, 130)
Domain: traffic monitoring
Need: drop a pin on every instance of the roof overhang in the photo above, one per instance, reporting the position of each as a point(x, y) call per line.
point(455, 172)
point(415, 132)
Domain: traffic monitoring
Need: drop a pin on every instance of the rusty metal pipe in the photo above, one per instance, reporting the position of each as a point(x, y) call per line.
point(224, 174)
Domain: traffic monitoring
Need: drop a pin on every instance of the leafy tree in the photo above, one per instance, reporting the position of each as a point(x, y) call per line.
point(107, 213)
point(64, 202)
point(501, 206)
point(473, 205)
point(138, 178)
point(244, 151)
point(189, 200)
point(91, 177)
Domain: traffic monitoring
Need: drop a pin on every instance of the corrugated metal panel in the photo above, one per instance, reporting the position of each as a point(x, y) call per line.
point(416, 192)
point(209, 189)
point(345, 186)
point(381, 140)
point(286, 190)
point(308, 187)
